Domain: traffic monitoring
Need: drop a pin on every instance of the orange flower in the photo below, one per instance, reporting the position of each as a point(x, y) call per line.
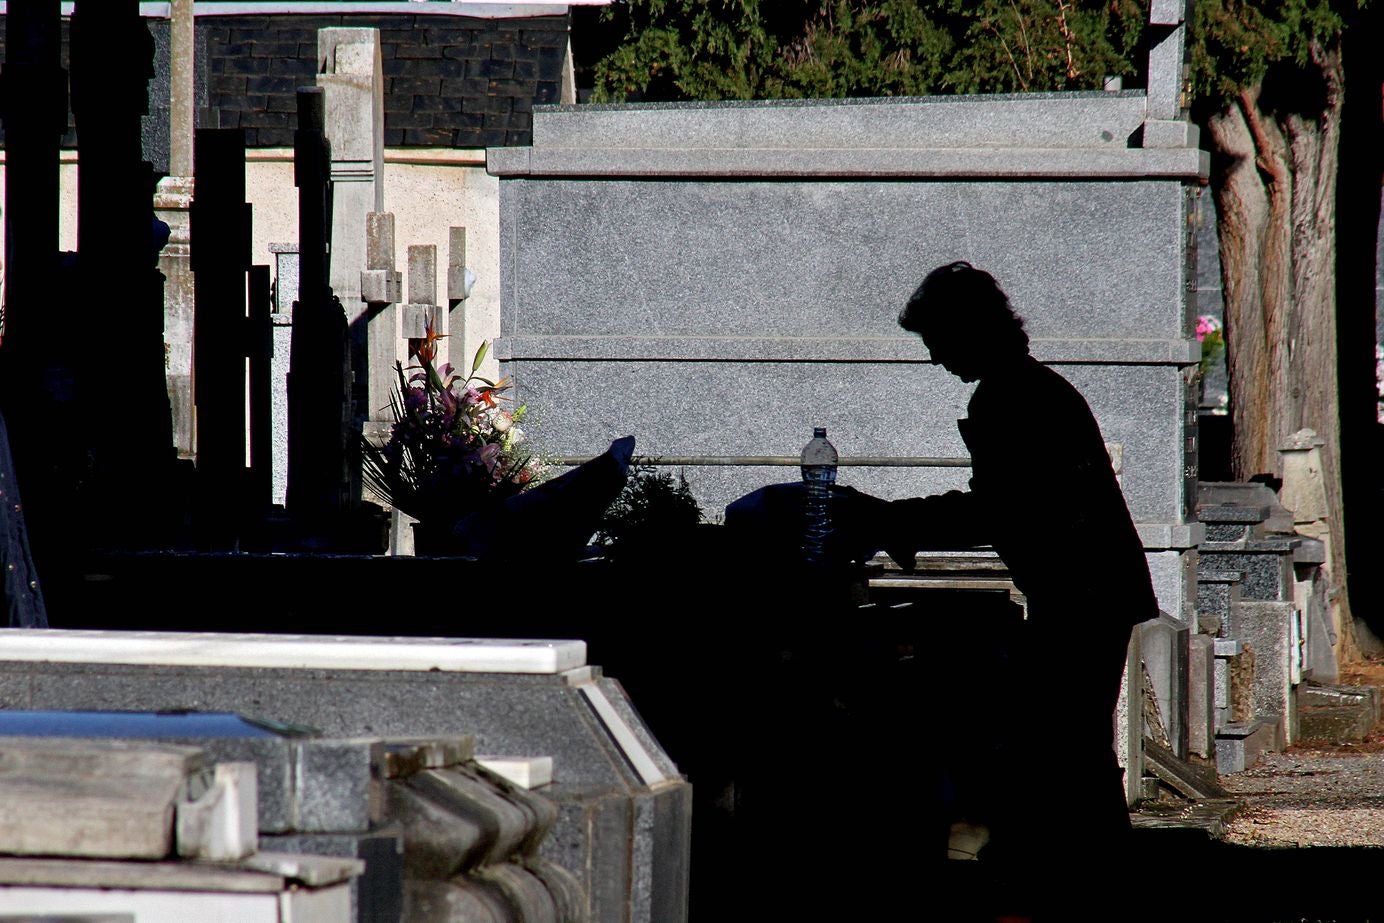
point(425, 348)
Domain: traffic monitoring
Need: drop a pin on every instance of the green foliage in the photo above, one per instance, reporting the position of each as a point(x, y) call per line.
point(652, 510)
point(745, 49)
point(758, 49)
point(1236, 42)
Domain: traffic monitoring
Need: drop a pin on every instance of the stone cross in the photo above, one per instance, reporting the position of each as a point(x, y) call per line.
point(1168, 97)
point(381, 288)
point(422, 309)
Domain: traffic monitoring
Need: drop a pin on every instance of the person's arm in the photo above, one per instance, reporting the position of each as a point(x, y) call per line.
point(951, 520)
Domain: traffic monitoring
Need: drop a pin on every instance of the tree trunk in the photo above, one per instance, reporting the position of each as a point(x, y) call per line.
point(1275, 194)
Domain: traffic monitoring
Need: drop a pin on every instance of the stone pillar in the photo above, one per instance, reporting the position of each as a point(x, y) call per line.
point(460, 279)
point(1304, 495)
point(350, 74)
point(1129, 721)
point(1169, 79)
point(172, 198)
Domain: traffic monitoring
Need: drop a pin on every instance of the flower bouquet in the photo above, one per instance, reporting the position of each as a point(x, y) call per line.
point(453, 447)
point(1211, 336)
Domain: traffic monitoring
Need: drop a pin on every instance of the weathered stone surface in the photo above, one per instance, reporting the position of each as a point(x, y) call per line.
point(218, 821)
point(1164, 645)
point(92, 798)
point(1201, 696)
point(503, 825)
point(1338, 723)
point(593, 836)
point(338, 785)
point(432, 901)
point(437, 843)
point(1267, 628)
point(1239, 745)
point(525, 893)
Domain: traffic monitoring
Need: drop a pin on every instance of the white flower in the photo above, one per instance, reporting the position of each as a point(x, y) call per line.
point(501, 421)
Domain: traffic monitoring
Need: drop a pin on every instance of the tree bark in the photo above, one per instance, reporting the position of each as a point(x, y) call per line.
point(1275, 195)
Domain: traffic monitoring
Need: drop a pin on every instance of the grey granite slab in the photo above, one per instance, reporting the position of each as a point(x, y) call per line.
point(1232, 512)
point(1266, 576)
point(1171, 571)
point(1036, 120)
point(898, 348)
point(894, 410)
point(1165, 655)
point(1167, 12)
point(1165, 77)
point(1201, 696)
point(616, 258)
point(338, 784)
point(1266, 627)
point(1107, 162)
point(662, 870)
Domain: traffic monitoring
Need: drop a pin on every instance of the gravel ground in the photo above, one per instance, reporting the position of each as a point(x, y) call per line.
point(1315, 794)
point(1309, 797)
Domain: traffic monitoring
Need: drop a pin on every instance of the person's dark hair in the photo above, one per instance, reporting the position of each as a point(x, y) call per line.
point(958, 298)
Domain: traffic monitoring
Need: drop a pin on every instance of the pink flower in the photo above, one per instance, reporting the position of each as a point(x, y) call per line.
point(1206, 324)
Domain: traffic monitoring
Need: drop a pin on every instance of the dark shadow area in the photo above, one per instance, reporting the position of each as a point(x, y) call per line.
point(1358, 327)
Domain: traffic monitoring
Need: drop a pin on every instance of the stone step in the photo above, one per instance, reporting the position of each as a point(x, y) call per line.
point(1324, 695)
point(1239, 745)
point(1266, 566)
point(1246, 494)
point(1337, 713)
point(1233, 522)
point(1336, 724)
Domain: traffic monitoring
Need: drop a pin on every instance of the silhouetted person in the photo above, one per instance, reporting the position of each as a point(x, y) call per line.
point(1043, 494)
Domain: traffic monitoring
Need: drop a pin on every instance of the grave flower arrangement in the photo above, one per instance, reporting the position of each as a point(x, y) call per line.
point(1211, 336)
point(453, 447)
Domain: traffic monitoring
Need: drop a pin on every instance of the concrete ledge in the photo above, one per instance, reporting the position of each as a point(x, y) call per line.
point(294, 652)
point(1158, 536)
point(823, 349)
point(1047, 120)
point(978, 163)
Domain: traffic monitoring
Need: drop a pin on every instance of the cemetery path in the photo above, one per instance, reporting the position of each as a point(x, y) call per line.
point(1316, 793)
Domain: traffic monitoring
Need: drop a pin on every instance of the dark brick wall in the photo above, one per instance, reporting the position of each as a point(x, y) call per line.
point(450, 81)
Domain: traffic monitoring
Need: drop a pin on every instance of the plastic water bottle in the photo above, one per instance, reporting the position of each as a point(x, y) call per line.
point(819, 474)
